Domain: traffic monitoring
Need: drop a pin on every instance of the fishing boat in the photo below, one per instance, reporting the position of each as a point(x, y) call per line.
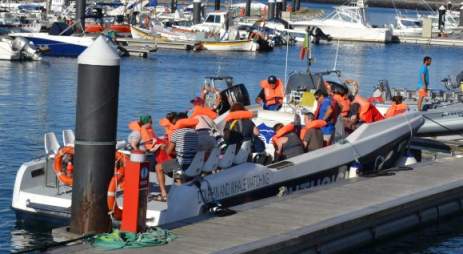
point(348, 23)
point(372, 147)
point(17, 49)
point(165, 35)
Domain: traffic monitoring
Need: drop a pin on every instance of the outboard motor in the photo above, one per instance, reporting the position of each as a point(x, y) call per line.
point(27, 50)
point(231, 95)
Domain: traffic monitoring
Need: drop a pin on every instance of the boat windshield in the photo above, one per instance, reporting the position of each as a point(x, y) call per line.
point(350, 14)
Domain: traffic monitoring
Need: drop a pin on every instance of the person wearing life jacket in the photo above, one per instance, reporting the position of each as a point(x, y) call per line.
point(286, 142)
point(272, 93)
point(167, 124)
point(368, 113)
point(326, 113)
point(311, 135)
point(239, 126)
point(341, 100)
point(184, 144)
point(142, 136)
point(397, 107)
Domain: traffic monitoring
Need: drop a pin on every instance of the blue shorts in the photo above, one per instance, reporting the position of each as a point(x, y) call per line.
point(273, 107)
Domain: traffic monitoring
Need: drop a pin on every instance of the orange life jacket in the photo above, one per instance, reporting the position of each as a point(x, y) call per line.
point(273, 95)
point(313, 124)
point(396, 109)
point(147, 134)
point(283, 131)
point(200, 110)
point(186, 123)
point(368, 112)
point(238, 115)
point(344, 103)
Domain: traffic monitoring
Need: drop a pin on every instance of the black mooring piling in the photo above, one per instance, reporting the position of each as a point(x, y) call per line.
point(217, 5)
point(248, 8)
point(96, 121)
point(271, 9)
point(196, 11)
point(279, 7)
point(173, 6)
point(80, 12)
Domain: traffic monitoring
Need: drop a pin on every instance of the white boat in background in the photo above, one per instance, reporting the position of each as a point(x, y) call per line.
point(17, 49)
point(348, 23)
point(407, 26)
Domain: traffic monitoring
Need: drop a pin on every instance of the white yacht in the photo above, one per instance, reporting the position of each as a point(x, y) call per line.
point(348, 23)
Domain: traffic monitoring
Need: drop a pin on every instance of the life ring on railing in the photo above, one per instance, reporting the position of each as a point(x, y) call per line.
point(64, 174)
point(116, 180)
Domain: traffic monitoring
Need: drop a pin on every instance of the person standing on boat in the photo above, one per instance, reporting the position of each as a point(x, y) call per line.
point(326, 113)
point(423, 81)
point(272, 93)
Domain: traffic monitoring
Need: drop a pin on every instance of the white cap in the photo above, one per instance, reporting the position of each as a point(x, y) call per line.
point(196, 1)
point(279, 1)
point(271, 1)
point(442, 8)
point(99, 53)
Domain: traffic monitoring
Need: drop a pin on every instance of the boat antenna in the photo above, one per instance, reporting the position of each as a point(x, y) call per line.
point(309, 49)
point(336, 57)
point(286, 58)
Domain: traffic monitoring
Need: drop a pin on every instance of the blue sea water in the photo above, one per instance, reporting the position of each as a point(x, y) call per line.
point(40, 97)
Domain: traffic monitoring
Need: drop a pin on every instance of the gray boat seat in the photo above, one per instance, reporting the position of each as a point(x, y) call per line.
point(196, 165)
point(68, 138)
point(227, 159)
point(243, 153)
point(51, 143)
point(212, 161)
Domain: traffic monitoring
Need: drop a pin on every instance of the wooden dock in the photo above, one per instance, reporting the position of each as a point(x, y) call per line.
point(325, 220)
point(431, 41)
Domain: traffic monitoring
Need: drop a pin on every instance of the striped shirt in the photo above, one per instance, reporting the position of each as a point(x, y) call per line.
point(186, 145)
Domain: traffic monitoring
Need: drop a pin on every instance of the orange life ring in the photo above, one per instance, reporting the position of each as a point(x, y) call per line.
point(63, 173)
point(116, 180)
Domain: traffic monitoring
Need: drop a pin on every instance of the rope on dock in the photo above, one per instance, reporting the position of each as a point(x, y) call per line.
point(124, 240)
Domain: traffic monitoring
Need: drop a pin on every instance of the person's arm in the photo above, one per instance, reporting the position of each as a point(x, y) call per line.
point(256, 131)
point(423, 79)
point(260, 98)
point(279, 147)
point(328, 113)
point(170, 148)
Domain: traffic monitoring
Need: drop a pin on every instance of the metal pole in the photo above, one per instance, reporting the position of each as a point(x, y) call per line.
point(196, 11)
point(441, 18)
point(173, 6)
point(248, 8)
point(96, 127)
point(271, 9)
point(461, 15)
point(217, 5)
point(279, 6)
point(298, 5)
point(80, 13)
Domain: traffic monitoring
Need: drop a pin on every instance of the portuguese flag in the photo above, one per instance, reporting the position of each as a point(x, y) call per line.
point(305, 47)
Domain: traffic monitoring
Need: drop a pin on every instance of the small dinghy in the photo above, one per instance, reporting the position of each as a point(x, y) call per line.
point(18, 49)
point(227, 178)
